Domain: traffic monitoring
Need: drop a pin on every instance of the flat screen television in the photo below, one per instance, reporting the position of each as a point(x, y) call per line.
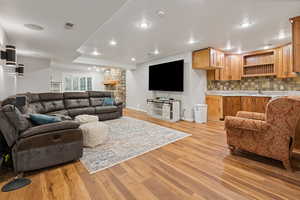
point(167, 76)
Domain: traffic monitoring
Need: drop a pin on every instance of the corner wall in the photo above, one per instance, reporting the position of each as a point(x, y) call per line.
point(36, 75)
point(8, 83)
point(195, 83)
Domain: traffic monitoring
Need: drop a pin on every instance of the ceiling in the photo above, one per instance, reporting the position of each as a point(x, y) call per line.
point(54, 41)
point(215, 23)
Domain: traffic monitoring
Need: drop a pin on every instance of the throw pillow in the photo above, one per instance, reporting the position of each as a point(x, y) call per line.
point(108, 101)
point(39, 119)
point(62, 117)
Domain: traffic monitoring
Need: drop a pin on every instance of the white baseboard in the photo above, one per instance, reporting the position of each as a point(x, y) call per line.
point(187, 119)
point(142, 110)
point(134, 108)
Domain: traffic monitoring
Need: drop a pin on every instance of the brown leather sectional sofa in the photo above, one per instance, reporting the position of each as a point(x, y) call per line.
point(35, 147)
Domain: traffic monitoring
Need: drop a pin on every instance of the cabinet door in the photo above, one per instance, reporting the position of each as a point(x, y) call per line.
point(254, 104)
point(220, 59)
point(215, 109)
point(261, 104)
point(213, 57)
point(201, 59)
point(296, 44)
point(287, 61)
point(248, 104)
point(236, 67)
point(231, 105)
point(279, 63)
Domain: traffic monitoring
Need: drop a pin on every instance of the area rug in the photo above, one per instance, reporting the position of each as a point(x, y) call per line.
point(128, 138)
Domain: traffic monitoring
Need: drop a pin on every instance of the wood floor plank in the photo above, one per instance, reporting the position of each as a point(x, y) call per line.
point(196, 167)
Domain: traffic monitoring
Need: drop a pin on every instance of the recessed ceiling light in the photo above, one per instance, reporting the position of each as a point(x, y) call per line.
point(156, 52)
point(239, 51)
point(97, 70)
point(268, 46)
point(69, 26)
point(94, 67)
point(34, 27)
point(246, 23)
point(96, 53)
point(113, 43)
point(192, 41)
point(144, 25)
point(89, 68)
point(281, 35)
point(133, 59)
point(161, 13)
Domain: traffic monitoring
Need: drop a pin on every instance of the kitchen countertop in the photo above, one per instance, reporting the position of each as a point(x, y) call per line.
point(255, 93)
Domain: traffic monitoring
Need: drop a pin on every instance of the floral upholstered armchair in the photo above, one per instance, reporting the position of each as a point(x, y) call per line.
point(271, 134)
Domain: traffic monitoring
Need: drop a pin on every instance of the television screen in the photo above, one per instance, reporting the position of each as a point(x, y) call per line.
point(167, 76)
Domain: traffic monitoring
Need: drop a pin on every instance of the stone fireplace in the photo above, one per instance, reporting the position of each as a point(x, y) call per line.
point(115, 81)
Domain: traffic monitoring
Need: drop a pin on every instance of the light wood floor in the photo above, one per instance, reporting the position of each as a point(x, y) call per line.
point(197, 167)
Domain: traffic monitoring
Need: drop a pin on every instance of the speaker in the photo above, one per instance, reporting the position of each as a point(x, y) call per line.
point(10, 55)
point(20, 70)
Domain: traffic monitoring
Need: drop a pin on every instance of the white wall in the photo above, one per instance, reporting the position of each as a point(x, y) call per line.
point(194, 86)
point(8, 83)
point(36, 75)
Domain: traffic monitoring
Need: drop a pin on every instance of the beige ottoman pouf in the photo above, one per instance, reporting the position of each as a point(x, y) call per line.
point(94, 133)
point(82, 119)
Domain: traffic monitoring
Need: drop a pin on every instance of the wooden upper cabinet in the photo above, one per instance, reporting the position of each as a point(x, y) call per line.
point(296, 43)
point(208, 59)
point(231, 71)
point(284, 62)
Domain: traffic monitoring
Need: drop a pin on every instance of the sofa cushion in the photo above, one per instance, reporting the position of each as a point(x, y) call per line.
point(106, 109)
point(50, 128)
point(54, 105)
point(94, 101)
point(51, 96)
point(32, 98)
point(76, 95)
point(100, 94)
point(77, 103)
point(58, 112)
point(40, 119)
point(36, 107)
point(16, 118)
point(80, 111)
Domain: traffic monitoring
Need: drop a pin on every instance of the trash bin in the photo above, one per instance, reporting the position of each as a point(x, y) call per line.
point(200, 113)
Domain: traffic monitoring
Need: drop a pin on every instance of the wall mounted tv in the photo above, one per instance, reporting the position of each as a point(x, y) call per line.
point(167, 76)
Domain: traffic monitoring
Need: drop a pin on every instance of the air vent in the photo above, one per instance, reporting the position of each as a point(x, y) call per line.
point(69, 26)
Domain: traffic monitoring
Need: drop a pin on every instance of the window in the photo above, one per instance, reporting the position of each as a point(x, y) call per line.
point(83, 84)
point(77, 83)
point(89, 83)
point(68, 83)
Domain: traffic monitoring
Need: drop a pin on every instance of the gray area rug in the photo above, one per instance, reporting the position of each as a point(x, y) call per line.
point(128, 138)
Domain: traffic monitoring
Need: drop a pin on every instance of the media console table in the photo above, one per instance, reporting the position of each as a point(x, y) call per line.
point(165, 109)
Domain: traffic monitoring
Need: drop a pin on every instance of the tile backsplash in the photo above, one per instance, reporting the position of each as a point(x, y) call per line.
point(256, 83)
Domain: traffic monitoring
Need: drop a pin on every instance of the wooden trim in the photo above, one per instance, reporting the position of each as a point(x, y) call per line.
point(111, 82)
